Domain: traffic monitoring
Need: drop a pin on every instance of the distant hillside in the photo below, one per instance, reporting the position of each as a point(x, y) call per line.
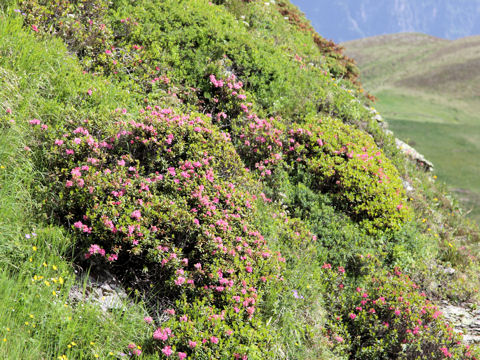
point(427, 89)
point(344, 20)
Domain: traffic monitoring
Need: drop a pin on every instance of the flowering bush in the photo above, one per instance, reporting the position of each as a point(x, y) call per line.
point(337, 158)
point(387, 318)
point(165, 195)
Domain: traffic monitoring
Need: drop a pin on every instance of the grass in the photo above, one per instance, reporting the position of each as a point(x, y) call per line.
point(425, 88)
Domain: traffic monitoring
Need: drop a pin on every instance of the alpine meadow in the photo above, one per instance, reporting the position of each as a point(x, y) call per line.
point(193, 179)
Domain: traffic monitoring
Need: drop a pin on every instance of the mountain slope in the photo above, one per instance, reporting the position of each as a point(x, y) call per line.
point(218, 167)
point(344, 20)
point(427, 89)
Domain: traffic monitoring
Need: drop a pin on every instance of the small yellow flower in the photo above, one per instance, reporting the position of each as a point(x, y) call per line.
point(74, 343)
point(8, 329)
point(54, 292)
point(69, 346)
point(26, 323)
point(110, 353)
point(4, 340)
point(45, 264)
point(47, 283)
point(60, 280)
point(449, 244)
point(434, 176)
point(34, 248)
point(54, 267)
point(92, 343)
point(31, 316)
point(96, 355)
point(429, 229)
point(2, 167)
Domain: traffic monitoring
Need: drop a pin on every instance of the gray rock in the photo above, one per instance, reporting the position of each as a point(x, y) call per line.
point(106, 293)
point(464, 320)
point(414, 155)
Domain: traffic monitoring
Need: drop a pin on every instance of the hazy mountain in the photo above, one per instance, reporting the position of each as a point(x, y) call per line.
point(343, 20)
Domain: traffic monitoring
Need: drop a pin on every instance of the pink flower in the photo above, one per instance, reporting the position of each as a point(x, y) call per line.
point(352, 316)
point(180, 280)
point(34, 28)
point(162, 334)
point(214, 340)
point(339, 339)
point(69, 183)
point(248, 269)
point(192, 344)
point(182, 355)
point(136, 215)
point(148, 319)
point(167, 350)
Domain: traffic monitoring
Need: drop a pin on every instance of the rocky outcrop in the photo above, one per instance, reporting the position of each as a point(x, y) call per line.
point(409, 151)
point(414, 155)
point(464, 319)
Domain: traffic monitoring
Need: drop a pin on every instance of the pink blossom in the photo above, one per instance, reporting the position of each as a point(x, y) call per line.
point(352, 316)
point(192, 344)
point(148, 319)
point(180, 280)
point(214, 340)
point(182, 355)
point(167, 350)
point(162, 334)
point(136, 215)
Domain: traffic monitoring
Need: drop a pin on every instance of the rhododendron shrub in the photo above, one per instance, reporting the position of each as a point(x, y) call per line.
point(164, 195)
point(387, 317)
point(336, 159)
point(346, 163)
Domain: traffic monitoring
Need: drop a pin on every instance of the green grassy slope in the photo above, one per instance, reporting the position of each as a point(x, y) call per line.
point(163, 144)
point(427, 89)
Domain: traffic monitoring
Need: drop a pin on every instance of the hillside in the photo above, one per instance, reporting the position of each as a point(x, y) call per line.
point(427, 89)
point(344, 20)
point(207, 180)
